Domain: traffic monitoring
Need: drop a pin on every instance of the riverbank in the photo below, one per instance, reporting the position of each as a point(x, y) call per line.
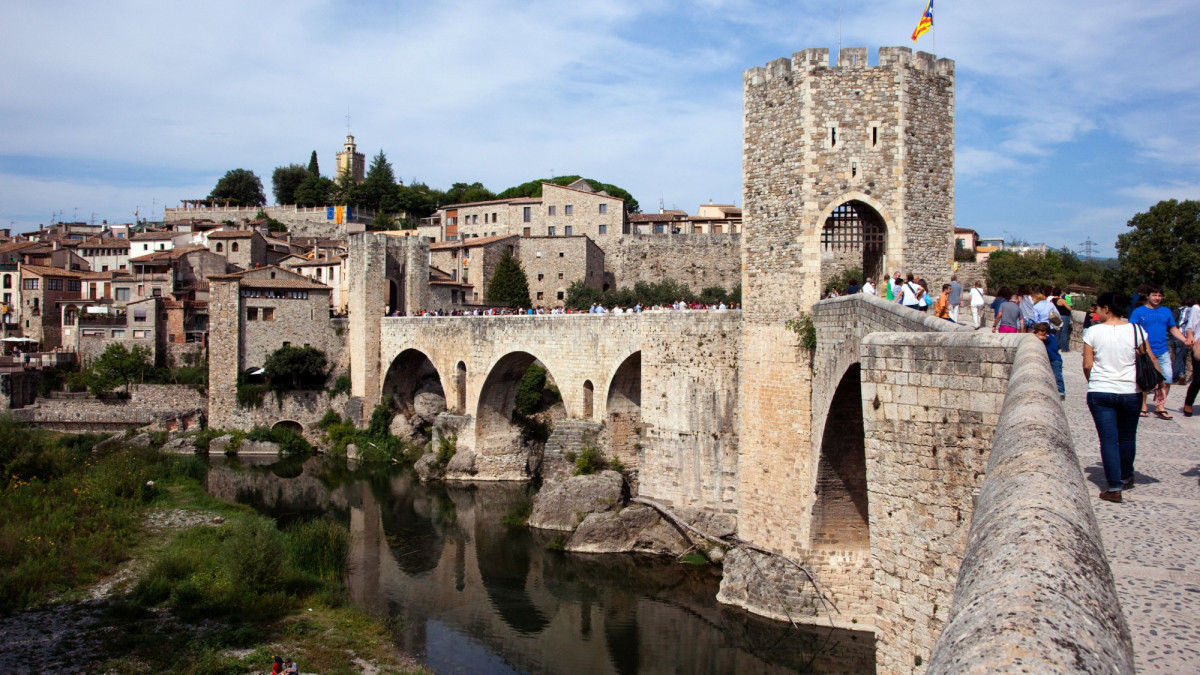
point(123, 563)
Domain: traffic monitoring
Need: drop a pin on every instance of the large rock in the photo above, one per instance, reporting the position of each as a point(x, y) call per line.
point(566, 505)
point(636, 529)
point(142, 440)
point(184, 445)
point(428, 405)
point(258, 448)
point(220, 444)
point(462, 466)
point(428, 468)
point(401, 429)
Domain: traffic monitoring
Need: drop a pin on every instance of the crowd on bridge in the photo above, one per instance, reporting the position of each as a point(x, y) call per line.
point(680, 306)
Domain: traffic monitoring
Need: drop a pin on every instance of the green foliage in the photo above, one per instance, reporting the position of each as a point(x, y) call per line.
point(116, 366)
point(54, 378)
point(534, 189)
point(1053, 268)
point(589, 461)
point(320, 548)
point(447, 446)
point(329, 419)
point(381, 418)
point(314, 169)
point(528, 399)
point(272, 224)
point(461, 193)
point(842, 280)
point(285, 180)
point(289, 440)
point(803, 326)
point(341, 385)
point(240, 187)
point(695, 559)
point(314, 191)
point(417, 200)
point(509, 285)
point(518, 516)
point(1162, 247)
point(580, 296)
point(252, 395)
point(290, 368)
point(378, 189)
point(385, 222)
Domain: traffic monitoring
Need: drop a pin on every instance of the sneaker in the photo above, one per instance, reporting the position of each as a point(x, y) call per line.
point(1111, 496)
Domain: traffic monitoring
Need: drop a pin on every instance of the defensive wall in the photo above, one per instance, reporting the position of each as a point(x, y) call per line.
point(172, 406)
point(301, 221)
point(698, 260)
point(664, 383)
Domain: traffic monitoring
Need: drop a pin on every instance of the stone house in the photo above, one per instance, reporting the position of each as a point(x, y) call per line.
point(553, 263)
point(244, 249)
point(561, 211)
point(105, 253)
point(88, 328)
point(42, 289)
point(156, 240)
point(324, 270)
point(471, 262)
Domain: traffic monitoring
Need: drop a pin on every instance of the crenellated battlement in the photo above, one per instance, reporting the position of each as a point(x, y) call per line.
point(818, 58)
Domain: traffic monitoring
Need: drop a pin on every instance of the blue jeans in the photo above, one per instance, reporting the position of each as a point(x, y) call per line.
point(1116, 418)
point(1056, 366)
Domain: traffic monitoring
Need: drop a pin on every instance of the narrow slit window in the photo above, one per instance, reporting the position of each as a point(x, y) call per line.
point(874, 136)
point(853, 169)
point(832, 136)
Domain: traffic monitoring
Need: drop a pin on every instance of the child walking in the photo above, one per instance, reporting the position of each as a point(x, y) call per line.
point(1043, 333)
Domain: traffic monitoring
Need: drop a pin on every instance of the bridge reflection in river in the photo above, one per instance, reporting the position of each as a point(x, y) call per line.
point(475, 596)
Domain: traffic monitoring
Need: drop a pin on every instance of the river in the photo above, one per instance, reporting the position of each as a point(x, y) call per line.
point(471, 595)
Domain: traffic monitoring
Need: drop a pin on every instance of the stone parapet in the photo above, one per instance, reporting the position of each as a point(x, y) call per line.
point(1034, 579)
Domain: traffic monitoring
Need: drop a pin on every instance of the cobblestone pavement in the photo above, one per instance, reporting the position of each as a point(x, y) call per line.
point(1152, 539)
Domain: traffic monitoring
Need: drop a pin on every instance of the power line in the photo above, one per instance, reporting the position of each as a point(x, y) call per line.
point(1089, 249)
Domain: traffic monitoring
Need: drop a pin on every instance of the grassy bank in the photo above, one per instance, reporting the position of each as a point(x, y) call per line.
point(220, 589)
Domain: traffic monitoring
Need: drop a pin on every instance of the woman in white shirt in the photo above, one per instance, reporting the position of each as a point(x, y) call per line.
point(1113, 397)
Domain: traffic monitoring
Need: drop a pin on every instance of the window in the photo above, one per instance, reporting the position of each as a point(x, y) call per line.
point(220, 247)
point(156, 292)
point(560, 295)
point(142, 334)
point(853, 169)
point(123, 294)
point(560, 254)
point(874, 136)
point(475, 219)
point(603, 229)
point(550, 210)
point(268, 313)
point(539, 295)
point(139, 315)
point(54, 284)
point(493, 216)
point(319, 269)
point(118, 333)
point(8, 281)
point(568, 210)
point(525, 232)
point(527, 213)
point(73, 284)
point(832, 136)
point(541, 276)
point(233, 248)
point(550, 231)
point(145, 247)
point(485, 219)
point(162, 246)
point(658, 229)
point(603, 208)
point(252, 314)
point(560, 276)
point(30, 284)
point(104, 268)
point(567, 230)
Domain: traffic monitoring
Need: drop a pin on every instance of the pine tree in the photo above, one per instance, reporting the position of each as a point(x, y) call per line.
point(509, 285)
point(313, 169)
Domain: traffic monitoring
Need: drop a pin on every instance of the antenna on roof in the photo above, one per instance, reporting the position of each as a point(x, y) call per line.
point(347, 119)
point(662, 205)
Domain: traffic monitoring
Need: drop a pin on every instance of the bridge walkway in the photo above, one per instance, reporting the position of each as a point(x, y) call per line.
point(1152, 539)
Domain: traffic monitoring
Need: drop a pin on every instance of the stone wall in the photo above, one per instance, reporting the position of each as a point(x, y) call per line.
point(552, 264)
point(930, 405)
point(306, 408)
point(172, 406)
point(300, 221)
point(1033, 551)
point(698, 260)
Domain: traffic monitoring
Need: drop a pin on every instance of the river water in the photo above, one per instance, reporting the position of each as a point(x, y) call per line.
point(471, 595)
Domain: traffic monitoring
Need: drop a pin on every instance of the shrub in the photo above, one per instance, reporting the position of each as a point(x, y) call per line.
point(804, 327)
point(340, 386)
point(529, 391)
point(589, 461)
point(447, 446)
point(329, 419)
point(251, 395)
point(320, 548)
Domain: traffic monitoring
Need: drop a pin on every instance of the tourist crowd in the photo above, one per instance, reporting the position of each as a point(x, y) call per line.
point(594, 309)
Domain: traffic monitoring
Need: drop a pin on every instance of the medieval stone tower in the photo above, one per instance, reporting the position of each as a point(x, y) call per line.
point(847, 166)
point(351, 161)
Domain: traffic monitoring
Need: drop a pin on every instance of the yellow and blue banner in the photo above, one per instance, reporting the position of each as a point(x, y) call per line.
point(925, 23)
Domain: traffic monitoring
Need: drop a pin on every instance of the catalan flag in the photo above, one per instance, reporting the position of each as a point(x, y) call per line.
point(925, 23)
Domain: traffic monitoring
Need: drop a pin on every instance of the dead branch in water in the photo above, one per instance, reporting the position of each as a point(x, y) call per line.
point(734, 542)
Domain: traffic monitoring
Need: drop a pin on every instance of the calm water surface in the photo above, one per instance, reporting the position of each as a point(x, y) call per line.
point(474, 596)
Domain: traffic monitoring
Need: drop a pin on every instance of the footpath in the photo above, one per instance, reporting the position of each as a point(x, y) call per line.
point(1152, 539)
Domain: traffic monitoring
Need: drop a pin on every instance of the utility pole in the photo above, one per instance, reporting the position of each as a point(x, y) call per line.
point(1089, 249)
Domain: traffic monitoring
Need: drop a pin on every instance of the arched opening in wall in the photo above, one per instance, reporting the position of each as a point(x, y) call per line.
point(415, 386)
point(254, 375)
point(589, 392)
point(839, 517)
point(394, 297)
point(853, 242)
point(290, 425)
point(460, 383)
point(516, 404)
point(625, 410)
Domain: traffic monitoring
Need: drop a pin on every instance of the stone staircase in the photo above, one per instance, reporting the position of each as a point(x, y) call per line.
point(572, 436)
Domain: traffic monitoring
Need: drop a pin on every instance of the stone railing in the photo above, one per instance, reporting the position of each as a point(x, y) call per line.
point(1035, 592)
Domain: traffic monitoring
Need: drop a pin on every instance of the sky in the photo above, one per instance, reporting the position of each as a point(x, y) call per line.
point(1071, 117)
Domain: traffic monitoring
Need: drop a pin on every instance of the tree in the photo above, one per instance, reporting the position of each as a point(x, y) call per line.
point(462, 193)
point(314, 191)
point(416, 200)
point(241, 187)
point(378, 189)
point(1054, 268)
point(296, 368)
point(285, 180)
point(534, 189)
point(116, 366)
point(509, 285)
point(314, 169)
point(1162, 247)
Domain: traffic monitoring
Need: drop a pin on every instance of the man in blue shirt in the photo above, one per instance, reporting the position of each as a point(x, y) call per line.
point(1158, 322)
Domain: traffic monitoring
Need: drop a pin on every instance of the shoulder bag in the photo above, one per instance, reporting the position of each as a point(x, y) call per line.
point(1145, 365)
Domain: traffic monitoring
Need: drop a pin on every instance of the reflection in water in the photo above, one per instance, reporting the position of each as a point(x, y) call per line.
point(474, 596)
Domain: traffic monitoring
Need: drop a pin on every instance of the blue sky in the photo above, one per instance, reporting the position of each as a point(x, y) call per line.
point(1071, 117)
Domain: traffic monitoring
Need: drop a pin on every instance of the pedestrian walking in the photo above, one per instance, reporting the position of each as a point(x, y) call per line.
point(1063, 306)
point(1179, 350)
point(1113, 397)
point(910, 294)
point(869, 287)
point(1192, 331)
point(977, 304)
point(1008, 318)
point(1158, 322)
point(941, 308)
point(955, 298)
point(1045, 333)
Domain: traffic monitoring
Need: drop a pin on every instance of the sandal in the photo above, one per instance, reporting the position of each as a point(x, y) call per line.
point(1145, 414)
point(1163, 415)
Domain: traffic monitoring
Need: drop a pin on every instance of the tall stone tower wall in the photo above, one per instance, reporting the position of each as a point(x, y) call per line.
point(818, 136)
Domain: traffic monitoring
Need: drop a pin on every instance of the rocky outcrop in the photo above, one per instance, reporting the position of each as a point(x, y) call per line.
point(257, 448)
point(184, 445)
point(428, 468)
point(640, 529)
point(566, 505)
point(462, 466)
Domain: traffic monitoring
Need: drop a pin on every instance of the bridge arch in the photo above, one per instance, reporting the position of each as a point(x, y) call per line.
point(855, 233)
point(497, 398)
point(412, 372)
point(289, 424)
point(624, 408)
point(840, 519)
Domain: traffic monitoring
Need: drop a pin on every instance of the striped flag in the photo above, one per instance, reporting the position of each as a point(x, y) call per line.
point(925, 23)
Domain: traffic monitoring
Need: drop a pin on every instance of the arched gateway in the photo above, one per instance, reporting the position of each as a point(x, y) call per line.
point(854, 237)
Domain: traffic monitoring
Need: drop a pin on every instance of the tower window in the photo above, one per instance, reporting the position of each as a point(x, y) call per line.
point(853, 169)
point(832, 136)
point(874, 136)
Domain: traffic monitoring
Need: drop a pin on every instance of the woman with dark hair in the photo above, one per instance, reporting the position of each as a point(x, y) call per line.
point(1109, 350)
